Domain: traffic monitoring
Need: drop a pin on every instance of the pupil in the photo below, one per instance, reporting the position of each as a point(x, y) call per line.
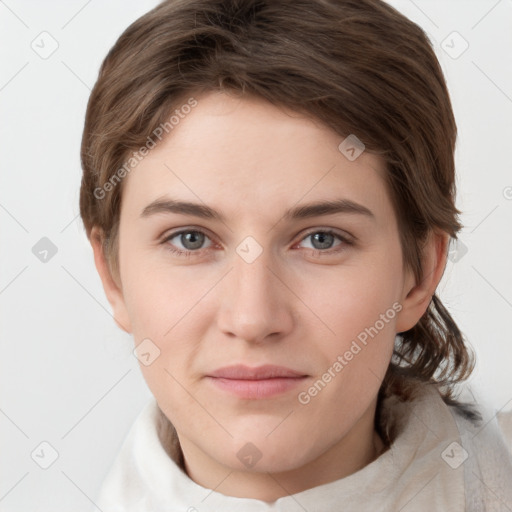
point(325, 240)
point(192, 239)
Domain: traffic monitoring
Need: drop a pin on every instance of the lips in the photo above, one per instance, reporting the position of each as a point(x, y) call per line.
point(255, 383)
point(242, 372)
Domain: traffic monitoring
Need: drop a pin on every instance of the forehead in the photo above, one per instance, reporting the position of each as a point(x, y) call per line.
point(244, 154)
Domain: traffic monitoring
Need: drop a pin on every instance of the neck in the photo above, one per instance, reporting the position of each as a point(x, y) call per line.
point(358, 448)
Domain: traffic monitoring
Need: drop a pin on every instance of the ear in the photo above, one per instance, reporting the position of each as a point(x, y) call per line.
point(113, 291)
point(417, 296)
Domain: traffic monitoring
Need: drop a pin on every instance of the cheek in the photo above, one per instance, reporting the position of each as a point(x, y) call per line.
point(356, 349)
point(166, 305)
point(358, 310)
point(352, 299)
point(161, 298)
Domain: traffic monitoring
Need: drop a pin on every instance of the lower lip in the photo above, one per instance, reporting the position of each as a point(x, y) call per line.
point(257, 389)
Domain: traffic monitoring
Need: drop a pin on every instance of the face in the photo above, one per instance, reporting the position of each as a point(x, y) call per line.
point(253, 272)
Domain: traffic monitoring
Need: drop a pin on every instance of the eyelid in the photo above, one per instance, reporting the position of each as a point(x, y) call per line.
point(341, 233)
point(168, 234)
point(166, 238)
point(344, 237)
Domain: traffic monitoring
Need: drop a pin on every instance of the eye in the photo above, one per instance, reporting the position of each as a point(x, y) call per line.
point(191, 240)
point(325, 240)
point(188, 242)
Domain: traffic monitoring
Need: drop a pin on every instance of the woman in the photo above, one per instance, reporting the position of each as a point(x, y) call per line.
point(269, 191)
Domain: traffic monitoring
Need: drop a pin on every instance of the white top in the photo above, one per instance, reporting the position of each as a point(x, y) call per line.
point(439, 461)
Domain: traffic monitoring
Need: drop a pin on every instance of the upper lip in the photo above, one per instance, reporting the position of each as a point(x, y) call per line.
point(242, 372)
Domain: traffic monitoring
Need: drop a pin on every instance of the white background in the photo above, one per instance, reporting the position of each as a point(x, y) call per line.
point(68, 376)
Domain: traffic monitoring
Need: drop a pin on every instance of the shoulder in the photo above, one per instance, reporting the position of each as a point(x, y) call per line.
point(505, 424)
point(486, 447)
point(483, 423)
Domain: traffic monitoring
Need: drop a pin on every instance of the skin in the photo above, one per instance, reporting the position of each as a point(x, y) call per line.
point(296, 305)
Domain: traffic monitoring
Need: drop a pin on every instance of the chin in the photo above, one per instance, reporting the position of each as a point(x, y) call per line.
point(257, 452)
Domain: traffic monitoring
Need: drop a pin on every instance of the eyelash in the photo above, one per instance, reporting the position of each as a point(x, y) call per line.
point(186, 253)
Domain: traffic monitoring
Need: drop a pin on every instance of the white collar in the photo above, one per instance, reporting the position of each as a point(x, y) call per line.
point(411, 475)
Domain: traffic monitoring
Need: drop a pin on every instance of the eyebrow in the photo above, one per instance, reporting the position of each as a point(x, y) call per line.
point(203, 211)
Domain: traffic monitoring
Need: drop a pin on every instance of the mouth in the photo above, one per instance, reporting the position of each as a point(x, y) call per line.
point(256, 383)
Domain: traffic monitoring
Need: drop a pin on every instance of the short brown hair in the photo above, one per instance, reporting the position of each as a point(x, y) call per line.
point(358, 66)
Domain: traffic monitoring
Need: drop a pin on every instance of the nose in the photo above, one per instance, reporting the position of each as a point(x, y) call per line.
point(255, 306)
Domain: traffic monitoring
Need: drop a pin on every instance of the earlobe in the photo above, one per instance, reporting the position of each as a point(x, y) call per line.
point(417, 296)
point(112, 290)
